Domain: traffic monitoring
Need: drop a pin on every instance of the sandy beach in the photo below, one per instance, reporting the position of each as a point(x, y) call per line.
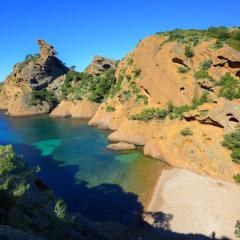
point(192, 204)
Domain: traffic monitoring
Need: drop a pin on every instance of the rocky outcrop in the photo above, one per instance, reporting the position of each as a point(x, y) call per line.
point(121, 146)
point(223, 114)
point(100, 65)
point(75, 109)
point(36, 72)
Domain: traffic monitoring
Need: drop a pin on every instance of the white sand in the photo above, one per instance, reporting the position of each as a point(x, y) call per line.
point(198, 204)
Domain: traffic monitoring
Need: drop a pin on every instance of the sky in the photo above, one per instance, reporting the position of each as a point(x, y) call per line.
point(81, 29)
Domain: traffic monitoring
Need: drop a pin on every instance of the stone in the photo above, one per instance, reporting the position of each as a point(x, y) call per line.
point(121, 146)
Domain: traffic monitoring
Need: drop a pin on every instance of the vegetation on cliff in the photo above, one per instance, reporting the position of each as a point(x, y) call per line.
point(193, 36)
point(78, 86)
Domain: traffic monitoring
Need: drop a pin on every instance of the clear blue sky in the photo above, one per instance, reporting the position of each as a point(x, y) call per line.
point(79, 29)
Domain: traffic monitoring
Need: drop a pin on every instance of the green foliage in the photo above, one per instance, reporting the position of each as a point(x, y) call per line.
point(236, 178)
point(196, 102)
point(186, 132)
point(170, 106)
point(110, 108)
point(193, 37)
point(135, 89)
point(150, 114)
point(189, 51)
point(29, 58)
point(130, 61)
point(23, 205)
point(237, 229)
point(203, 74)
point(39, 96)
point(218, 44)
point(124, 96)
point(232, 142)
point(83, 85)
point(140, 98)
point(183, 69)
point(60, 209)
point(206, 64)
point(230, 87)
point(137, 72)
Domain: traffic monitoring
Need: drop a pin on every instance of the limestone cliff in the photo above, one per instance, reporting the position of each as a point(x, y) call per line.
point(40, 72)
point(172, 82)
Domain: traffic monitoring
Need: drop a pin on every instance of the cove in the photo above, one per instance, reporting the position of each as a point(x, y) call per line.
point(99, 183)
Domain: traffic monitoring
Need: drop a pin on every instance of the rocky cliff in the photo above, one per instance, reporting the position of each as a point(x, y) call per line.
point(177, 94)
point(27, 89)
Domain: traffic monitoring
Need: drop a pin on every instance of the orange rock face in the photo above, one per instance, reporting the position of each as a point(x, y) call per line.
point(149, 76)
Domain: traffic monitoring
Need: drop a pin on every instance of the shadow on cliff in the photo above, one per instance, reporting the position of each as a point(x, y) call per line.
point(103, 203)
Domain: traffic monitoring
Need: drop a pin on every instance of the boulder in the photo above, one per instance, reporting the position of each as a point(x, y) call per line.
point(121, 146)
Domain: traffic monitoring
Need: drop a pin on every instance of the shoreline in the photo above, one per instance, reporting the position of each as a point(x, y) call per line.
point(181, 195)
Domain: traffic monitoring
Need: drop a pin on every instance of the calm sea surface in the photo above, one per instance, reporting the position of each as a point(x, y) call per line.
point(97, 182)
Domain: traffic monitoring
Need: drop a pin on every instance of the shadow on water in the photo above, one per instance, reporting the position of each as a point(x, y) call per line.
point(103, 203)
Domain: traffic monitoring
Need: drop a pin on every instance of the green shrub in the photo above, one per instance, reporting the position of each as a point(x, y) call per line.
point(130, 61)
point(189, 51)
point(186, 132)
point(29, 58)
point(39, 96)
point(60, 209)
point(137, 72)
point(218, 44)
point(150, 114)
point(110, 109)
point(140, 98)
point(232, 142)
point(124, 96)
point(230, 87)
point(83, 85)
point(183, 69)
point(237, 229)
point(203, 74)
point(206, 64)
point(237, 178)
point(177, 112)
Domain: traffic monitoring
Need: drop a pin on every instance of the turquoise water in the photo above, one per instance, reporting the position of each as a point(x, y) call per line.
point(100, 183)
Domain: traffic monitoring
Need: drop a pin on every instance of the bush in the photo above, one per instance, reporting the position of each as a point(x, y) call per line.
point(137, 72)
point(60, 209)
point(141, 98)
point(237, 178)
point(203, 74)
point(183, 69)
point(29, 58)
point(237, 229)
point(39, 96)
point(124, 96)
point(186, 132)
point(230, 87)
point(83, 85)
point(150, 114)
point(218, 44)
point(232, 142)
point(110, 109)
point(189, 51)
point(206, 64)
point(196, 102)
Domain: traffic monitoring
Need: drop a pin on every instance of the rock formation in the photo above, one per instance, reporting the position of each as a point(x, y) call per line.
point(121, 146)
point(36, 72)
point(100, 65)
